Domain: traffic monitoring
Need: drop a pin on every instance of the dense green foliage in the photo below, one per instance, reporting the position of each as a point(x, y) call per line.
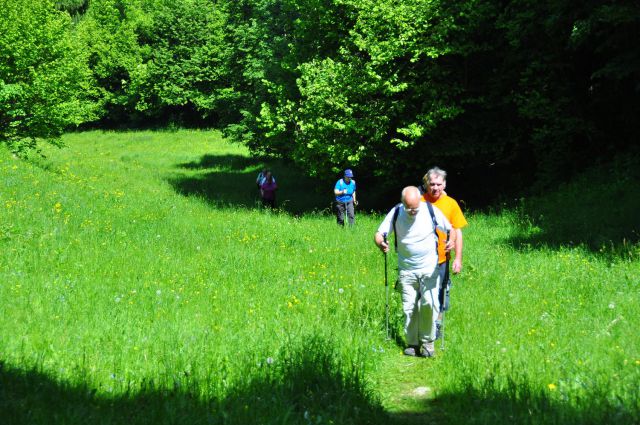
point(519, 91)
point(140, 285)
point(157, 59)
point(44, 81)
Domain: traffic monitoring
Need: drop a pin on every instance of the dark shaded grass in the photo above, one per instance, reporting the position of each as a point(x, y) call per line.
point(230, 180)
point(599, 211)
point(223, 163)
point(521, 404)
point(309, 385)
point(518, 404)
point(311, 389)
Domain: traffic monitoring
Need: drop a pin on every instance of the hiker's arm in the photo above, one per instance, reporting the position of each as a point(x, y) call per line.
point(451, 243)
point(457, 263)
point(379, 241)
point(355, 201)
point(385, 227)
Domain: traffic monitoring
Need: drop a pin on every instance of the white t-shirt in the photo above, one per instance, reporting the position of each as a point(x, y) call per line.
point(416, 238)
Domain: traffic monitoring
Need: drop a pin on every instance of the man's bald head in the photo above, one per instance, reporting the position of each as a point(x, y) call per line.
point(411, 197)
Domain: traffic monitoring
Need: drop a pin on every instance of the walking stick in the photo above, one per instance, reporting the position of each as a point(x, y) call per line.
point(346, 214)
point(444, 297)
point(386, 287)
point(442, 328)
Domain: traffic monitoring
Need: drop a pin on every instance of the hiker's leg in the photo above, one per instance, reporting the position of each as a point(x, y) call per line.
point(350, 213)
point(409, 289)
point(442, 267)
point(443, 294)
point(429, 305)
point(340, 213)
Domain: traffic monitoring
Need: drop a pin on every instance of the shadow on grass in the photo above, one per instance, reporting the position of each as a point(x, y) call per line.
point(230, 180)
point(223, 163)
point(518, 405)
point(306, 386)
point(600, 211)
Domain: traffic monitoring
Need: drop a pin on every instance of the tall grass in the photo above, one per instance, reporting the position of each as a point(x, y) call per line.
point(140, 282)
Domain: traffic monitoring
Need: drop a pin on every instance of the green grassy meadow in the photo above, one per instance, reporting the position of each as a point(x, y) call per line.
point(141, 282)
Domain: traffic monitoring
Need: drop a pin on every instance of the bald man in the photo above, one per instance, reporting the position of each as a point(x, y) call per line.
point(414, 228)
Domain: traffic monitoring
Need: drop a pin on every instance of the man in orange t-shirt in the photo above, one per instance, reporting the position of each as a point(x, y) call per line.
point(435, 182)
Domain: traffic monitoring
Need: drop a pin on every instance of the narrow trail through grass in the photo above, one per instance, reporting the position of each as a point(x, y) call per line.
point(140, 283)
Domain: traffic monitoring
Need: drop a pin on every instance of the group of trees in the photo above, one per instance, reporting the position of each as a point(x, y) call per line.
point(484, 87)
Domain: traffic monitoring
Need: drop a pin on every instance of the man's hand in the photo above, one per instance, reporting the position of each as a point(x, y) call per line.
point(380, 242)
point(450, 245)
point(457, 266)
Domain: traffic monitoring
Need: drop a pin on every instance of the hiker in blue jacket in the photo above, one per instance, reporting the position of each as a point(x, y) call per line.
point(345, 191)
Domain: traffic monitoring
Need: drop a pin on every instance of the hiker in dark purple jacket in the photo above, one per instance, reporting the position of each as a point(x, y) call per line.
point(268, 190)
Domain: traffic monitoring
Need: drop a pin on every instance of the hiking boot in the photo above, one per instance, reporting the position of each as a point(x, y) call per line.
point(438, 329)
point(412, 350)
point(427, 349)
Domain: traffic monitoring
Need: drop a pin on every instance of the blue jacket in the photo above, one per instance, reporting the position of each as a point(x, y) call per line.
point(351, 188)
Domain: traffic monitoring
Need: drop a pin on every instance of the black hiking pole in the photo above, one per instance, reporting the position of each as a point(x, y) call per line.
point(445, 286)
point(346, 214)
point(347, 219)
point(386, 288)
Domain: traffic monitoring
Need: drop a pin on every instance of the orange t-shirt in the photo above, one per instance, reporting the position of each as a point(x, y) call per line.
point(452, 211)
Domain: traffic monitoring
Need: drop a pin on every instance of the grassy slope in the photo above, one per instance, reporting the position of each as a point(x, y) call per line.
point(125, 298)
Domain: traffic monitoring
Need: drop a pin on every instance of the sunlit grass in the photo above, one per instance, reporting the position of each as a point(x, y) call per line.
point(138, 277)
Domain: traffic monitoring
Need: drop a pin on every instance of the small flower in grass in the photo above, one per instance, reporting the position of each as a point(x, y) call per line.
point(57, 207)
point(552, 387)
point(612, 306)
point(158, 292)
point(637, 362)
point(269, 360)
point(340, 290)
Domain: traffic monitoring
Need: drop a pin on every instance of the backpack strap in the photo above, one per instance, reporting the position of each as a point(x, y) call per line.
point(396, 211)
point(434, 222)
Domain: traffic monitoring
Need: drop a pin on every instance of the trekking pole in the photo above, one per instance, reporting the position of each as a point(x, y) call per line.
point(386, 287)
point(346, 214)
point(442, 329)
point(444, 297)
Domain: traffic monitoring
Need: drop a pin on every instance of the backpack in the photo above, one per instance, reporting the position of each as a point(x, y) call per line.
point(395, 218)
